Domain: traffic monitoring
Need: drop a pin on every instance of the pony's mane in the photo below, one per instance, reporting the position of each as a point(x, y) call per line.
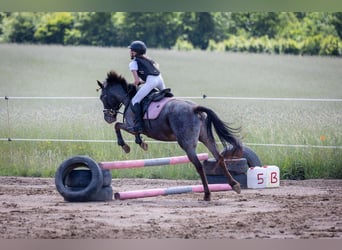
point(115, 78)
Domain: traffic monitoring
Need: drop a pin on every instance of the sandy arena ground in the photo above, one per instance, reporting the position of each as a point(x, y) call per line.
point(32, 208)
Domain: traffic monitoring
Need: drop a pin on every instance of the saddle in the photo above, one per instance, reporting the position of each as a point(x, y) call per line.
point(153, 103)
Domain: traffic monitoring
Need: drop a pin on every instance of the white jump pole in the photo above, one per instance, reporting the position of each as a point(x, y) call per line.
point(169, 191)
point(150, 162)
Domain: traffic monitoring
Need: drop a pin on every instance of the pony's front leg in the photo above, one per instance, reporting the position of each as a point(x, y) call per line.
point(118, 126)
point(140, 142)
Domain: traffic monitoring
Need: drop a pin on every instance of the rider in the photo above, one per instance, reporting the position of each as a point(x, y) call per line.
point(146, 71)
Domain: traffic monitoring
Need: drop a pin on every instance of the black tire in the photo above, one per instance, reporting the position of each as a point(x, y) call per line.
point(70, 164)
point(104, 194)
point(82, 178)
point(235, 166)
point(252, 158)
point(78, 178)
point(107, 178)
point(218, 179)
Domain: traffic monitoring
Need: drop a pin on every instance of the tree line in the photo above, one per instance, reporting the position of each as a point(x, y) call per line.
point(314, 33)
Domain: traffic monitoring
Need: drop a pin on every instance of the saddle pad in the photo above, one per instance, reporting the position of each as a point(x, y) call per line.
point(155, 108)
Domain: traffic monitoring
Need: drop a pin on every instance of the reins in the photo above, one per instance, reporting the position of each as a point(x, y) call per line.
point(127, 106)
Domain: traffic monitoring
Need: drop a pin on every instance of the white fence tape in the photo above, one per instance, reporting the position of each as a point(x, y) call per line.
point(161, 142)
point(180, 97)
point(188, 97)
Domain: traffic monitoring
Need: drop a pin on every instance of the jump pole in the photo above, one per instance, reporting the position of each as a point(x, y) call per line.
point(144, 193)
point(150, 162)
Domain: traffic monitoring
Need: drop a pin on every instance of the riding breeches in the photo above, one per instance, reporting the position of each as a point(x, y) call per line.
point(150, 83)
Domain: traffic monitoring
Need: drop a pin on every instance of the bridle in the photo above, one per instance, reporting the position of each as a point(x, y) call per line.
point(114, 111)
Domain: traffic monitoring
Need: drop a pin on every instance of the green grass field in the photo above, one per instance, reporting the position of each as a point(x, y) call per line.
point(58, 71)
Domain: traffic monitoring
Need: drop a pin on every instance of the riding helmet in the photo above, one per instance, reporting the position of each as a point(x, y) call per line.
point(138, 46)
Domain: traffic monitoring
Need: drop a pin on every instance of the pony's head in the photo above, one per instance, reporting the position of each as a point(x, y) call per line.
point(113, 91)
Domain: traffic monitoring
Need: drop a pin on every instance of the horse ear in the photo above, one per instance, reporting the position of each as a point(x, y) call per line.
point(100, 85)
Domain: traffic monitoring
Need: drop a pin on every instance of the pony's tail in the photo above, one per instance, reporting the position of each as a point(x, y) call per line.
point(224, 132)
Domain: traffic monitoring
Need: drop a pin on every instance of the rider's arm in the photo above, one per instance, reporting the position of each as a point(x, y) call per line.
point(137, 80)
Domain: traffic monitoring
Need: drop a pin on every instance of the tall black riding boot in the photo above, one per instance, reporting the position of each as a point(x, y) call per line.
point(138, 121)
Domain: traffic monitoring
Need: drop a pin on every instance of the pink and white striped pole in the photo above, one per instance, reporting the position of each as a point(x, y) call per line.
point(150, 162)
point(144, 193)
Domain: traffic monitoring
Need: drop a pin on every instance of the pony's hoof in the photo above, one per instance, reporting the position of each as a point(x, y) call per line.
point(236, 187)
point(126, 148)
point(207, 197)
point(144, 146)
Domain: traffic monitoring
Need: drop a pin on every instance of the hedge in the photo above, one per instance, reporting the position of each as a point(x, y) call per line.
point(313, 45)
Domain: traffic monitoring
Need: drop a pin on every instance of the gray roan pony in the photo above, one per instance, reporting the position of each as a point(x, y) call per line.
point(181, 121)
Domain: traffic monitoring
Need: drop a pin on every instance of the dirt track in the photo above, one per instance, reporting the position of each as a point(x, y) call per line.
point(32, 208)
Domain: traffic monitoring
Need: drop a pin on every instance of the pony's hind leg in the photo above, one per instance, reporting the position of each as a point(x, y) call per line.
point(186, 128)
point(189, 146)
point(232, 182)
point(221, 162)
point(199, 167)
